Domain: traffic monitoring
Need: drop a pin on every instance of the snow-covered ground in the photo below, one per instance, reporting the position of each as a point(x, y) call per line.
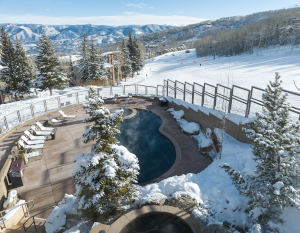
point(244, 70)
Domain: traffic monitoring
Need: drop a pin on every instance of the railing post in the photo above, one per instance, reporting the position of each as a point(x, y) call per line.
point(203, 95)
point(6, 123)
point(32, 110)
point(34, 224)
point(111, 91)
point(184, 87)
point(146, 90)
point(136, 89)
point(19, 116)
point(248, 103)
point(123, 89)
point(193, 90)
point(156, 90)
point(77, 97)
point(45, 106)
point(167, 88)
point(58, 102)
point(215, 97)
point(175, 90)
point(230, 100)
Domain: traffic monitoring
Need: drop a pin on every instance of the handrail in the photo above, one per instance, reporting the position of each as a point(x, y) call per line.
point(23, 205)
point(33, 219)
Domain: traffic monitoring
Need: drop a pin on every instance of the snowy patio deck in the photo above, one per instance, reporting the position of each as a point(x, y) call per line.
point(47, 178)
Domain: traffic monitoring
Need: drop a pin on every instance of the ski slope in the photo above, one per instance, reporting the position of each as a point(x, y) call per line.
point(244, 70)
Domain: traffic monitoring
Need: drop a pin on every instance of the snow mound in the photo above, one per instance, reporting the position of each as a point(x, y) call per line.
point(189, 127)
point(58, 217)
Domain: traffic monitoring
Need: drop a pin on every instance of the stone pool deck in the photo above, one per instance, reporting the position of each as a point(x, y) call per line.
point(47, 178)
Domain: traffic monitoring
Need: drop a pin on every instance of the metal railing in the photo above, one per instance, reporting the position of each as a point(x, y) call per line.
point(31, 220)
point(235, 99)
point(25, 207)
point(13, 119)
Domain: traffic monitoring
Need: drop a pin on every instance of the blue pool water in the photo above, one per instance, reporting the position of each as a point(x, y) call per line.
point(155, 152)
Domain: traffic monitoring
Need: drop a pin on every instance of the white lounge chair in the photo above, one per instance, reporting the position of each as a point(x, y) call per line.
point(55, 121)
point(43, 128)
point(30, 147)
point(40, 132)
point(30, 142)
point(34, 154)
point(66, 116)
point(32, 137)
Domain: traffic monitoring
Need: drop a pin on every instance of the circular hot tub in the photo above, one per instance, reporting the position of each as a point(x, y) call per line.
point(157, 222)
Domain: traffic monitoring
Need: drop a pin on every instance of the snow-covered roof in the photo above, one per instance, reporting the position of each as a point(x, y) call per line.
point(110, 52)
point(107, 65)
point(67, 58)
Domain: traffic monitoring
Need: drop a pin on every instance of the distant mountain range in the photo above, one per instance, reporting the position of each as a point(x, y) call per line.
point(67, 38)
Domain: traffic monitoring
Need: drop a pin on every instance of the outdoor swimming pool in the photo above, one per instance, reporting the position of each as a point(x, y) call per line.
point(157, 223)
point(155, 152)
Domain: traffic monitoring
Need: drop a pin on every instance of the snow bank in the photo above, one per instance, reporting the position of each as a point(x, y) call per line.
point(186, 126)
point(11, 198)
point(10, 212)
point(58, 217)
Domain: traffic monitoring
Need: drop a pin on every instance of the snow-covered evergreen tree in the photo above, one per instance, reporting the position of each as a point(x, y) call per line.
point(274, 138)
point(84, 61)
point(17, 73)
point(7, 74)
point(138, 62)
point(50, 74)
point(97, 71)
point(125, 60)
point(23, 71)
point(134, 54)
point(105, 178)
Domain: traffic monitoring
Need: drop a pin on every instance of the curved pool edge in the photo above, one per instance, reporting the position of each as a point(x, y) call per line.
point(118, 225)
point(162, 131)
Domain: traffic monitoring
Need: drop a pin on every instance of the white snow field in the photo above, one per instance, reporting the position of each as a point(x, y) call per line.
point(244, 70)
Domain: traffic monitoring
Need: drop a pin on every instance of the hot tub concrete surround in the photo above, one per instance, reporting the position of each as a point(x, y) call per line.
point(125, 219)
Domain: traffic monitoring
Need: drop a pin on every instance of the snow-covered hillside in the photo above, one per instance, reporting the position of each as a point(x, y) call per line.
point(244, 70)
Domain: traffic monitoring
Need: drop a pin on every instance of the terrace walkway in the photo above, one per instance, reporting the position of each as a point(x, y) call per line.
point(47, 178)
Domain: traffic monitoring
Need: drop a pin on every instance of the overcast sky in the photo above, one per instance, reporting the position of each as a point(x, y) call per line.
point(124, 12)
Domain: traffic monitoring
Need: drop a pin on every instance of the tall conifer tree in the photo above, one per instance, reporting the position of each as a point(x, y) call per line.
point(105, 177)
point(84, 61)
point(274, 138)
point(23, 70)
point(7, 74)
point(96, 67)
point(50, 74)
point(125, 60)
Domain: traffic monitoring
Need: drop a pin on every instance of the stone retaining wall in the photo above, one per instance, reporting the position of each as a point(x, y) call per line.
point(212, 121)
